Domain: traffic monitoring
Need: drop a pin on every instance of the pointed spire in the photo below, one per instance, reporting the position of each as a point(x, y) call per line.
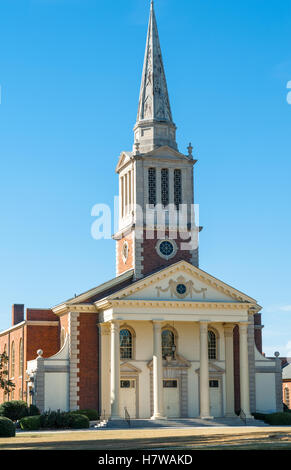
point(154, 104)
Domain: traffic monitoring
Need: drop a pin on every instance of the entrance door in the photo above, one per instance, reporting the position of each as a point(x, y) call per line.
point(127, 397)
point(215, 398)
point(171, 398)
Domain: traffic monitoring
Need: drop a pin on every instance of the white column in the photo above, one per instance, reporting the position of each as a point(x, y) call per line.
point(204, 372)
point(229, 371)
point(115, 370)
point(244, 370)
point(105, 404)
point(157, 371)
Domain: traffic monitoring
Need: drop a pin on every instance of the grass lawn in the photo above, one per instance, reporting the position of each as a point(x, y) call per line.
point(194, 438)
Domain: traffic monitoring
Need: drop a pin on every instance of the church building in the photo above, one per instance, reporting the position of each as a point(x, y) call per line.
point(163, 339)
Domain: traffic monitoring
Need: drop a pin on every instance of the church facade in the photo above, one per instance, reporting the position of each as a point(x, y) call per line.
point(163, 339)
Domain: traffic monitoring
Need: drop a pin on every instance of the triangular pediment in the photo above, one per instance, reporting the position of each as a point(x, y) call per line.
point(125, 157)
point(128, 368)
point(166, 152)
point(179, 362)
point(214, 369)
point(182, 282)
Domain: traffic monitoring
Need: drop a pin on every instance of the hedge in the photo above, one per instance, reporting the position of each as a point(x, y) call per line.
point(92, 415)
point(260, 416)
point(7, 428)
point(30, 423)
point(76, 421)
point(14, 410)
point(278, 418)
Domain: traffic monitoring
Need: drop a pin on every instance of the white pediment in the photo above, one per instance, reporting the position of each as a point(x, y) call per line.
point(128, 368)
point(124, 159)
point(182, 282)
point(214, 369)
point(167, 153)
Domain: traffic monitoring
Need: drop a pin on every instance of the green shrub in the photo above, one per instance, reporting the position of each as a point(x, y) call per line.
point(77, 421)
point(278, 418)
point(7, 428)
point(14, 410)
point(30, 423)
point(260, 416)
point(33, 410)
point(92, 415)
point(53, 420)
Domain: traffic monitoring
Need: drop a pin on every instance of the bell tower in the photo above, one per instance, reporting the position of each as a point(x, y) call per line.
point(156, 194)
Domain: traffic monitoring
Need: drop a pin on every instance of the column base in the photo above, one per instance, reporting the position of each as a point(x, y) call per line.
point(230, 415)
point(115, 417)
point(206, 417)
point(157, 417)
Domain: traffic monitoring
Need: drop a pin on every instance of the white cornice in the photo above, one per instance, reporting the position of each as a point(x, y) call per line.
point(80, 308)
point(190, 269)
point(29, 323)
point(92, 292)
point(13, 327)
point(107, 303)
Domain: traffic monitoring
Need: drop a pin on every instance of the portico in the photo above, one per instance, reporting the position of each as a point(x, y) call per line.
point(201, 355)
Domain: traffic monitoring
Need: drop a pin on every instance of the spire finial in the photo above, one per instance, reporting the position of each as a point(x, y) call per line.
point(154, 110)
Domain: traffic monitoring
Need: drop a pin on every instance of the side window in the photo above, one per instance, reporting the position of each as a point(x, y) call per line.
point(152, 186)
point(212, 345)
point(125, 344)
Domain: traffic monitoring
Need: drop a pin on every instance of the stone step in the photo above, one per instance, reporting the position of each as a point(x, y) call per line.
point(178, 423)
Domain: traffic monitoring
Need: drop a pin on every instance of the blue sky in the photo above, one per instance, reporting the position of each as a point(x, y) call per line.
point(70, 74)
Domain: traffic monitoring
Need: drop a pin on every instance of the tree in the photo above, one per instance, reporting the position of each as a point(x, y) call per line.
point(5, 384)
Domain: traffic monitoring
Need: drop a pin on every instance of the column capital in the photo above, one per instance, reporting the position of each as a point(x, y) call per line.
point(115, 324)
point(228, 329)
point(243, 327)
point(204, 326)
point(104, 328)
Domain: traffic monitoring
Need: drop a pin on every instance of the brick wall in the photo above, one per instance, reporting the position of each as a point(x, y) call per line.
point(121, 267)
point(89, 362)
point(151, 259)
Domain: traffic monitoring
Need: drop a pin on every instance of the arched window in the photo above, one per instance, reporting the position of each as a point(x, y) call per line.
point(12, 359)
point(168, 344)
point(212, 345)
point(125, 344)
point(20, 357)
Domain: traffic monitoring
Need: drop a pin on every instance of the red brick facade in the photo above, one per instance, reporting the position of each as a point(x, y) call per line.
point(123, 265)
point(89, 362)
point(26, 338)
point(152, 261)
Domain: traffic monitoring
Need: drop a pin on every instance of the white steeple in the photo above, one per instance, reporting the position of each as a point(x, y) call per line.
point(154, 127)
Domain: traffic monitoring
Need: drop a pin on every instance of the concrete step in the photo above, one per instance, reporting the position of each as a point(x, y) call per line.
point(178, 423)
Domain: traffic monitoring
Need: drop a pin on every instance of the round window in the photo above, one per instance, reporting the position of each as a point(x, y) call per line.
point(181, 289)
point(166, 248)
